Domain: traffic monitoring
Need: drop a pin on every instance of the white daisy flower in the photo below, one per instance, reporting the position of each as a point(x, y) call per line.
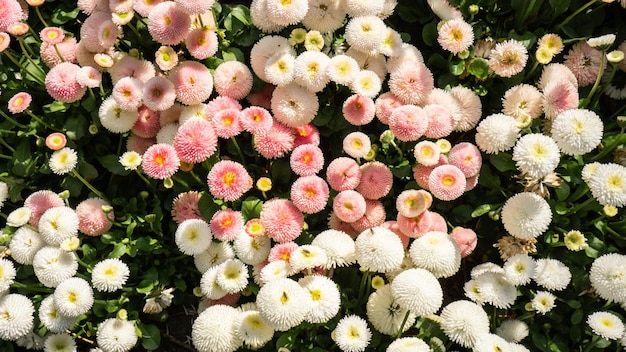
point(385, 314)
point(608, 277)
point(275, 270)
point(352, 334)
point(339, 246)
point(608, 184)
point(536, 155)
point(31, 341)
point(214, 329)
point(294, 105)
point(73, 297)
point(543, 302)
point(392, 43)
point(63, 161)
point(167, 133)
point(379, 249)
point(519, 269)
point(280, 68)
point(264, 49)
point(489, 343)
point(307, 257)
point(285, 13)
point(417, 290)
point(7, 274)
point(4, 193)
point(373, 62)
point(19, 217)
point(437, 253)
point(130, 160)
point(16, 316)
point(325, 298)
point(512, 330)
point(52, 319)
point(526, 215)
point(60, 343)
point(577, 131)
point(365, 33)
point(261, 19)
point(215, 254)
point(114, 119)
point(324, 15)
point(497, 133)
point(209, 286)
point(406, 53)
point(24, 245)
point(193, 236)
point(109, 275)
point(310, 70)
point(464, 322)
point(116, 335)
point(606, 324)
point(342, 69)
point(602, 42)
point(52, 265)
point(552, 274)
point(190, 112)
point(283, 304)
point(366, 83)
point(491, 288)
point(408, 344)
point(232, 275)
point(252, 330)
point(252, 250)
point(357, 8)
point(57, 224)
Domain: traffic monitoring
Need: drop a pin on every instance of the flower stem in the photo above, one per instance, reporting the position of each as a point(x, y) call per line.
point(40, 16)
point(243, 159)
point(31, 287)
point(574, 14)
point(89, 185)
point(17, 124)
point(30, 59)
point(22, 68)
point(406, 317)
point(42, 122)
point(596, 84)
point(364, 280)
point(591, 344)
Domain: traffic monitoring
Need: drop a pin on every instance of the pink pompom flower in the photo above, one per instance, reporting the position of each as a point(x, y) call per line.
point(256, 119)
point(306, 160)
point(343, 174)
point(201, 43)
point(446, 182)
point(52, 35)
point(228, 180)
point(374, 216)
point(466, 239)
point(349, 205)
point(276, 142)
point(307, 134)
point(19, 102)
point(40, 201)
point(62, 85)
point(233, 79)
point(220, 103)
point(89, 77)
point(227, 123)
point(92, 220)
point(282, 219)
point(356, 144)
point(160, 161)
point(385, 104)
point(282, 251)
point(168, 24)
point(185, 206)
point(359, 110)
point(195, 141)
point(421, 173)
point(309, 194)
point(411, 82)
point(159, 93)
point(466, 157)
point(226, 224)
point(412, 202)
point(376, 180)
point(408, 122)
point(128, 93)
point(193, 82)
point(147, 124)
point(440, 121)
point(416, 226)
point(426, 153)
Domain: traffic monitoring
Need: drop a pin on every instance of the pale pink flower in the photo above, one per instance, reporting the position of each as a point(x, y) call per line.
point(356, 144)
point(349, 205)
point(228, 180)
point(66, 51)
point(195, 141)
point(421, 173)
point(40, 201)
point(168, 24)
point(466, 239)
point(256, 119)
point(127, 93)
point(160, 161)
point(147, 124)
point(232, 79)
point(220, 103)
point(88, 76)
point(309, 194)
point(584, 62)
point(19, 102)
point(139, 144)
point(508, 58)
point(470, 108)
point(51, 35)
point(522, 100)
point(408, 122)
point(358, 110)
point(412, 202)
point(263, 97)
point(201, 43)
point(556, 71)
point(466, 157)
point(226, 224)
point(559, 96)
point(185, 206)
point(376, 180)
point(282, 251)
point(92, 220)
point(193, 82)
point(195, 7)
point(307, 134)
point(375, 215)
point(455, 35)
point(129, 66)
point(437, 222)
point(426, 153)
point(10, 13)
point(166, 58)
point(411, 82)
point(282, 219)
point(440, 121)
point(159, 93)
point(343, 173)
point(5, 40)
point(446, 182)
point(385, 104)
point(276, 142)
point(416, 226)
point(306, 160)
point(90, 31)
point(227, 123)
point(56, 140)
point(62, 85)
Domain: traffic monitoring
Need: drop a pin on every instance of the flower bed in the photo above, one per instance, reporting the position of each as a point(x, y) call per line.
point(317, 175)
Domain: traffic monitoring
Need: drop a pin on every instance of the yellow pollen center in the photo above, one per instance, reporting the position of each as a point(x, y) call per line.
point(316, 295)
point(167, 20)
point(229, 178)
point(284, 298)
point(159, 159)
point(356, 143)
point(614, 182)
point(448, 180)
point(354, 332)
point(71, 297)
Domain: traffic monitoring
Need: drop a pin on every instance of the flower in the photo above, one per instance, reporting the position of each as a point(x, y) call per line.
point(226, 224)
point(358, 110)
point(602, 42)
point(166, 58)
point(116, 335)
point(324, 300)
point(215, 254)
point(56, 140)
point(606, 324)
point(466, 239)
point(282, 303)
point(446, 182)
point(193, 82)
point(109, 275)
point(497, 133)
point(385, 104)
point(286, 13)
point(306, 160)
point(508, 58)
point(158, 93)
point(417, 290)
point(324, 16)
point(522, 100)
point(130, 160)
point(63, 161)
point(352, 334)
point(252, 250)
point(214, 329)
point(24, 244)
point(552, 274)
point(19, 217)
point(92, 220)
point(310, 70)
point(282, 219)
point(464, 322)
point(313, 41)
point(275, 142)
point(309, 194)
point(543, 302)
point(279, 68)
point(343, 174)
point(608, 276)
point(379, 249)
point(575, 240)
point(411, 203)
point(584, 62)
point(408, 344)
point(19, 102)
point(491, 342)
point(519, 269)
point(57, 224)
point(512, 330)
point(365, 33)
point(551, 42)
point(17, 318)
point(526, 215)
point(127, 93)
point(366, 83)
point(385, 314)
point(256, 119)
point(232, 79)
point(577, 131)
point(491, 287)
point(349, 205)
point(608, 184)
point(356, 144)
point(228, 180)
point(252, 330)
point(49, 316)
point(73, 297)
point(455, 35)
point(61, 83)
point(376, 180)
point(536, 155)
point(61, 342)
point(201, 42)
point(411, 82)
point(232, 275)
point(193, 236)
point(263, 49)
point(436, 252)
point(559, 96)
point(342, 69)
point(294, 105)
point(7, 274)
point(160, 161)
point(339, 246)
point(168, 23)
point(114, 118)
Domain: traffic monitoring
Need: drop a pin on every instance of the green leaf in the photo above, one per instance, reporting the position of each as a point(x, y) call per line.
point(251, 208)
point(145, 244)
point(280, 171)
point(457, 67)
point(479, 68)
point(23, 161)
point(56, 106)
point(150, 336)
point(119, 249)
point(562, 192)
point(207, 206)
point(577, 317)
point(87, 170)
point(233, 54)
point(502, 162)
point(242, 13)
point(430, 33)
point(482, 210)
point(112, 163)
point(60, 16)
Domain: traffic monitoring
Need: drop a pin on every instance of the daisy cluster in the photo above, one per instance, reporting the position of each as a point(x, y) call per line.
point(312, 174)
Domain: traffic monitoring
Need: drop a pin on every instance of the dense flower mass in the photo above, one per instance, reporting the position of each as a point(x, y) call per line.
point(325, 175)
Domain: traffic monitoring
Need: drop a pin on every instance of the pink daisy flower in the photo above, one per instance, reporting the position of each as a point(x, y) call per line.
point(127, 93)
point(254, 228)
point(306, 160)
point(228, 180)
point(411, 82)
point(343, 174)
point(556, 71)
point(256, 119)
point(201, 43)
point(19, 102)
point(374, 216)
point(40, 201)
point(337, 224)
point(421, 173)
point(10, 13)
point(349, 205)
point(166, 58)
point(185, 206)
point(357, 144)
point(195, 141)
point(147, 125)
point(233, 79)
point(437, 222)
point(227, 123)
point(129, 66)
point(226, 224)
point(385, 104)
point(168, 24)
point(276, 142)
point(416, 226)
point(160, 161)
point(508, 58)
point(138, 144)
point(56, 140)
point(309, 194)
point(51, 35)
point(193, 82)
point(66, 51)
point(376, 180)
point(220, 103)
point(466, 239)
point(584, 62)
point(471, 182)
point(408, 122)
point(426, 153)
point(195, 7)
point(89, 77)
point(282, 251)
point(90, 31)
point(5, 40)
point(413, 202)
point(92, 220)
point(455, 35)
point(159, 93)
point(395, 228)
point(263, 97)
point(359, 110)
point(466, 157)
point(446, 182)
point(107, 34)
point(440, 121)
point(282, 219)
point(62, 85)
point(307, 134)
point(559, 96)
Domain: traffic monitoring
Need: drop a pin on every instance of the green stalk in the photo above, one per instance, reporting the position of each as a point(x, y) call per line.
point(30, 59)
point(243, 159)
point(17, 124)
point(40, 16)
point(596, 84)
point(406, 317)
point(89, 185)
point(574, 14)
point(31, 287)
point(39, 120)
